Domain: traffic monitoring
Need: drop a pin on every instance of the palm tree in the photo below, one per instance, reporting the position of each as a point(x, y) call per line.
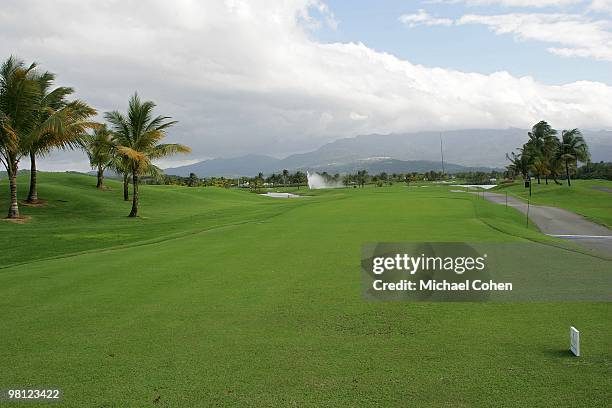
point(99, 147)
point(539, 148)
point(556, 169)
point(121, 165)
point(362, 176)
point(60, 124)
point(519, 163)
point(137, 137)
point(285, 175)
point(19, 95)
point(555, 164)
point(573, 149)
point(34, 120)
point(541, 167)
point(300, 178)
point(549, 154)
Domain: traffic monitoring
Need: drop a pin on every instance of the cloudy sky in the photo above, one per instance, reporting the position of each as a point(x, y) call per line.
point(280, 77)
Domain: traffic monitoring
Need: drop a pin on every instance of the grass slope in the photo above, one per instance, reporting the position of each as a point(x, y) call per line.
point(79, 218)
point(249, 301)
point(582, 197)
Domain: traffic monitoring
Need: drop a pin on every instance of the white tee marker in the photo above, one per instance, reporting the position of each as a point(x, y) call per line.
point(575, 341)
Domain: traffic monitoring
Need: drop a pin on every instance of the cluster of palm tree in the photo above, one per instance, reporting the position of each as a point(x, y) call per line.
point(285, 178)
point(547, 155)
point(129, 144)
point(358, 179)
point(36, 117)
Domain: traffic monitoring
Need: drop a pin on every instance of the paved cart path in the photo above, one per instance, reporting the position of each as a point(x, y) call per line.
point(560, 223)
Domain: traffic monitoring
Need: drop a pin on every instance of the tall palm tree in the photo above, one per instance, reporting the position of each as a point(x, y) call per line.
point(19, 95)
point(137, 136)
point(573, 149)
point(553, 161)
point(362, 176)
point(60, 124)
point(550, 152)
point(538, 148)
point(99, 147)
point(285, 175)
point(33, 120)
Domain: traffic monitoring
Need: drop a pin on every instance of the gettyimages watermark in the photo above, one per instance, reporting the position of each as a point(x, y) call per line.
point(482, 272)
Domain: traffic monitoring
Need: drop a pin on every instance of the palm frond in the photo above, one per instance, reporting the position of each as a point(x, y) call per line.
point(131, 154)
point(164, 150)
point(137, 136)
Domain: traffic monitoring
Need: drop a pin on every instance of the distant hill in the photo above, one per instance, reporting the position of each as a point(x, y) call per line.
point(248, 165)
point(405, 152)
point(373, 165)
point(378, 165)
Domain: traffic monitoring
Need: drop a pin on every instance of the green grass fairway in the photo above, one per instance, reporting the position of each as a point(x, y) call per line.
point(581, 197)
point(226, 298)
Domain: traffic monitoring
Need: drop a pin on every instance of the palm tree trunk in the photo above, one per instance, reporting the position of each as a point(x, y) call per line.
point(134, 212)
point(13, 211)
point(126, 194)
point(569, 183)
point(100, 177)
point(538, 177)
point(546, 178)
point(33, 193)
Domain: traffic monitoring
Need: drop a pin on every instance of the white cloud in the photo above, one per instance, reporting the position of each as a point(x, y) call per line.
point(357, 116)
point(574, 35)
point(512, 3)
point(248, 77)
point(602, 6)
point(423, 18)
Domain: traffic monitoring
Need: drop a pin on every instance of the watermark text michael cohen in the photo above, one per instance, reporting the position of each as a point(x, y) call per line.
point(481, 272)
point(433, 285)
point(423, 264)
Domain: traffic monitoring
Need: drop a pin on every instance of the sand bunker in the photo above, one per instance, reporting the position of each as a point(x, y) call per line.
point(483, 186)
point(281, 195)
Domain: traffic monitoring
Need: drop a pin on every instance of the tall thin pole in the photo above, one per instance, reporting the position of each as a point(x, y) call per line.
point(527, 217)
point(442, 153)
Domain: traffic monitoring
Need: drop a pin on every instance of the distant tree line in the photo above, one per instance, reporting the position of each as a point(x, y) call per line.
point(363, 178)
point(481, 177)
point(282, 179)
point(298, 179)
point(601, 170)
point(545, 154)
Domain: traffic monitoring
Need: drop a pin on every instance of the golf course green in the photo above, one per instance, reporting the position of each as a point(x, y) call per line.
point(220, 297)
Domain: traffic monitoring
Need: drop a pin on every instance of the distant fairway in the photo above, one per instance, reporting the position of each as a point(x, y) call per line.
point(223, 297)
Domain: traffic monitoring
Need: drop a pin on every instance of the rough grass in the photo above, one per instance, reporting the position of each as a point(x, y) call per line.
point(227, 298)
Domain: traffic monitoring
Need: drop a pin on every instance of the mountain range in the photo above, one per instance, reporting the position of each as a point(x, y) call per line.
point(464, 150)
